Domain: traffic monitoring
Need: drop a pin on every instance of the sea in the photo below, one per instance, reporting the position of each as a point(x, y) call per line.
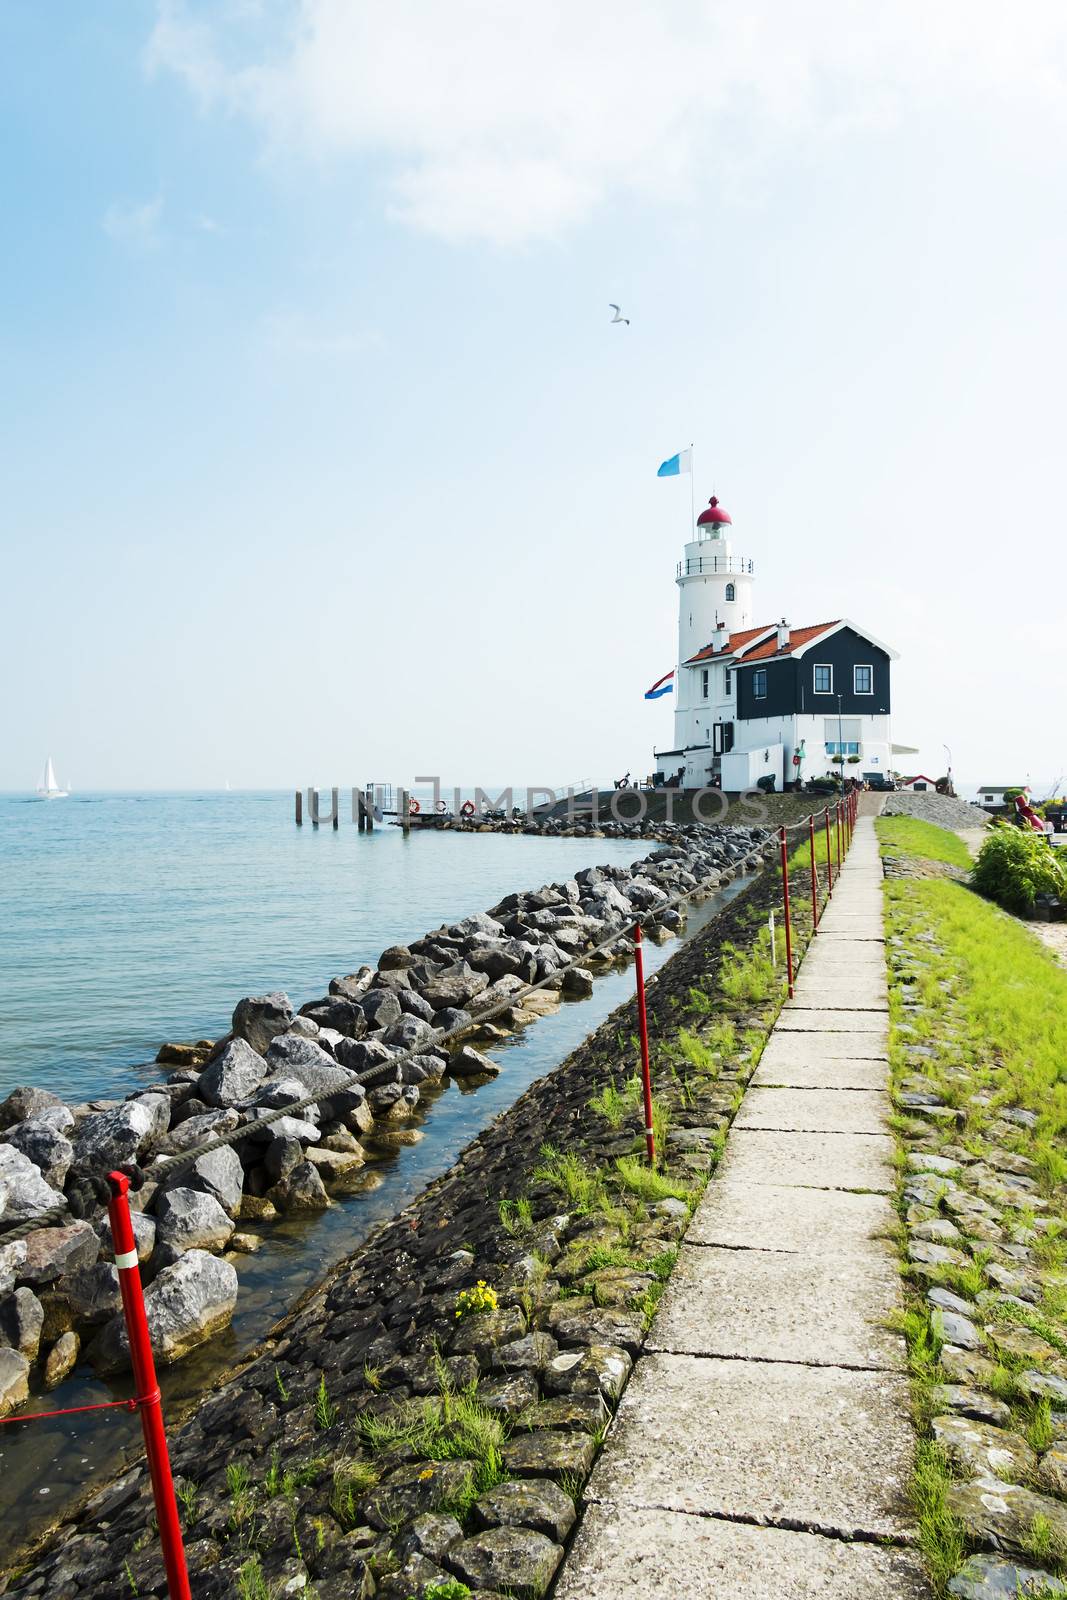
point(131, 919)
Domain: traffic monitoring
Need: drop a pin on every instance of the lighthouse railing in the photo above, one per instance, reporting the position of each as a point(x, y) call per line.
point(710, 564)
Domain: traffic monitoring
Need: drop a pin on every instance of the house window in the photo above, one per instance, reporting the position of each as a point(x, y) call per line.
point(704, 682)
point(726, 681)
point(759, 684)
point(863, 680)
point(824, 679)
point(846, 747)
point(730, 591)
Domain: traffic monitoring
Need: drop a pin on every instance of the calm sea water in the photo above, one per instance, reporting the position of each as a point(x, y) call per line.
point(129, 919)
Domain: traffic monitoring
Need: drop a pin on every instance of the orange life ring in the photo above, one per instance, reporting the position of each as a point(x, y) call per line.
point(413, 806)
point(466, 809)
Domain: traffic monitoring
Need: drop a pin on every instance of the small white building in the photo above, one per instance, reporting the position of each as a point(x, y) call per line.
point(767, 700)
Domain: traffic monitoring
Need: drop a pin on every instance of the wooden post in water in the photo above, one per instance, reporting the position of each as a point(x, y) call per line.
point(313, 807)
point(299, 809)
point(335, 807)
point(403, 804)
point(370, 808)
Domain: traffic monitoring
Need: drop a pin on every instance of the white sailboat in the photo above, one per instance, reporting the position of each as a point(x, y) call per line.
point(48, 788)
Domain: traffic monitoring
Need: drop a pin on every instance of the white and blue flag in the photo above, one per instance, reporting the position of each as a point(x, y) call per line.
point(682, 462)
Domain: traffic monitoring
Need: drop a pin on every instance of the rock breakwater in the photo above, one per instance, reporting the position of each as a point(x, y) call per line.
point(422, 1014)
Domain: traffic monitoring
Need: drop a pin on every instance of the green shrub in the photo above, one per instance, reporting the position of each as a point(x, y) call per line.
point(1014, 867)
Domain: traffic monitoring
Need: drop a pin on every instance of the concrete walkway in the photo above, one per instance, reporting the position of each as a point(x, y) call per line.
point(763, 1447)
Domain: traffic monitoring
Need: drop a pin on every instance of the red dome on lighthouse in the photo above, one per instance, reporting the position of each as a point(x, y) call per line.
point(714, 513)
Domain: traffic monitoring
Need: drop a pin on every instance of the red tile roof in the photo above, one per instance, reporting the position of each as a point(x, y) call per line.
point(797, 637)
point(737, 644)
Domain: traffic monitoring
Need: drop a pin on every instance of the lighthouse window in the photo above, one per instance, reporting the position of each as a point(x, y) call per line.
point(861, 680)
point(759, 684)
point(704, 683)
point(730, 591)
point(824, 680)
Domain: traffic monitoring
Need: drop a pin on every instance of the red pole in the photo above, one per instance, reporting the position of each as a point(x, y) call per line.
point(829, 863)
point(147, 1388)
point(837, 835)
point(785, 911)
point(646, 1069)
point(814, 877)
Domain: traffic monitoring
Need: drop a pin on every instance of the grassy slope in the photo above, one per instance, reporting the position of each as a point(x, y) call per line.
point(908, 836)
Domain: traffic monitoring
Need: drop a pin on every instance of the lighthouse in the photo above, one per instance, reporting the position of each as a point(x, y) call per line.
point(714, 602)
point(767, 703)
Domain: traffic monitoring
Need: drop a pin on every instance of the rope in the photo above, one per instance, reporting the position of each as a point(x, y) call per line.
point(387, 1070)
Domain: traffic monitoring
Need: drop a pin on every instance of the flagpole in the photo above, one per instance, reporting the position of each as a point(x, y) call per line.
point(692, 493)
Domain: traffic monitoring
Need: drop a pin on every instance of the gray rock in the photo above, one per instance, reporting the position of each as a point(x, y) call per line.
point(992, 1578)
point(1042, 1385)
point(432, 1535)
point(260, 1018)
point(977, 1450)
point(945, 1300)
point(600, 1368)
point(536, 1503)
point(307, 1028)
point(518, 1560)
point(186, 1304)
point(512, 1394)
point(531, 1354)
point(381, 1008)
point(409, 1033)
point(92, 1293)
point(277, 1093)
point(25, 1104)
point(960, 1331)
point(361, 1056)
point(11, 1258)
point(578, 983)
point(21, 1321)
point(549, 1454)
point(355, 984)
point(1052, 1472)
point(395, 958)
point(198, 1130)
point(23, 1192)
point(300, 1190)
point(51, 1253)
point(282, 1155)
point(218, 1173)
point(339, 1013)
point(470, 1063)
point(292, 1057)
point(234, 1076)
point(413, 1490)
point(452, 1018)
point(107, 1139)
point(971, 1402)
point(14, 1380)
point(190, 1220)
point(1002, 1515)
point(413, 1005)
point(49, 1151)
point(455, 985)
point(61, 1359)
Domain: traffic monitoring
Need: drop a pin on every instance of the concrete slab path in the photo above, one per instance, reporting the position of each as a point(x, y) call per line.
point(763, 1447)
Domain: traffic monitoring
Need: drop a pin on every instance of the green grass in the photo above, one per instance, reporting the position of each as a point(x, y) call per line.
point(910, 837)
point(639, 1179)
point(326, 1413)
point(567, 1172)
point(941, 1536)
point(615, 1104)
point(352, 1479)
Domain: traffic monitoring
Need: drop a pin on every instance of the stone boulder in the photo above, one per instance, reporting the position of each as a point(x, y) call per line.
point(362, 1055)
point(218, 1173)
point(518, 1560)
point(470, 1063)
point(61, 1359)
point(381, 1008)
point(452, 1019)
point(14, 1380)
point(186, 1304)
point(49, 1151)
point(413, 1005)
point(12, 1257)
point(21, 1321)
point(292, 1057)
point(52, 1253)
point(503, 957)
point(144, 1235)
point(455, 985)
point(198, 1130)
point(107, 1139)
point(92, 1294)
point(187, 1219)
point(260, 1018)
point(301, 1190)
point(354, 985)
point(395, 958)
point(409, 1033)
point(233, 1077)
point(27, 1104)
point(338, 1012)
point(23, 1192)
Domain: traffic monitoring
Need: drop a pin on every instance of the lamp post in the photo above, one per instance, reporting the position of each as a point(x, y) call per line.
point(841, 742)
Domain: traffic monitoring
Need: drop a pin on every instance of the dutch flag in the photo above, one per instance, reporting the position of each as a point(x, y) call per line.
point(661, 686)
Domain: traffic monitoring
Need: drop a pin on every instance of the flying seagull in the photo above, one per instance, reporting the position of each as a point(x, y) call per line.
point(618, 317)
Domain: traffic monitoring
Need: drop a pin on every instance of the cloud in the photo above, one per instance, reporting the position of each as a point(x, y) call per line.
point(136, 226)
point(511, 123)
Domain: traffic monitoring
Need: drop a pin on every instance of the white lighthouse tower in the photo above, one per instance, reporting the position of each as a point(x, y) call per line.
point(714, 601)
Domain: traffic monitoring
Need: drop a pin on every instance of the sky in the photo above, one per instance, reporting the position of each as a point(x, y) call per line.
point(321, 460)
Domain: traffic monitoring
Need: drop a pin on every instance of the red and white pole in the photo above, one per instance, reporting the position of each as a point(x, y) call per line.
point(829, 862)
point(785, 910)
point(147, 1388)
point(814, 877)
point(646, 1066)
